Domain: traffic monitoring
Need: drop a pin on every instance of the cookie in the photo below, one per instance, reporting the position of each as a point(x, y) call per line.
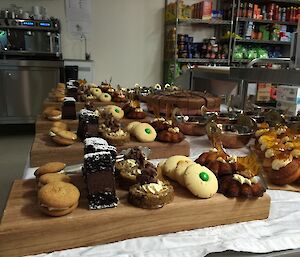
point(144, 132)
point(62, 137)
point(130, 127)
point(200, 181)
point(180, 170)
point(52, 113)
point(60, 125)
point(115, 111)
point(53, 177)
point(96, 92)
point(58, 198)
point(105, 97)
point(171, 164)
point(50, 167)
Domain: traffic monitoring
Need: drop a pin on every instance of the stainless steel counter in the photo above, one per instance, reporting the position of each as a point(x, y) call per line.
point(24, 84)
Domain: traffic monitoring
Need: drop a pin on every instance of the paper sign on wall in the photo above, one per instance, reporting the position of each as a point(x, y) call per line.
point(78, 16)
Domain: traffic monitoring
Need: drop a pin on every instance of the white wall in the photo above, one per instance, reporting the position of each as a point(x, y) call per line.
point(126, 40)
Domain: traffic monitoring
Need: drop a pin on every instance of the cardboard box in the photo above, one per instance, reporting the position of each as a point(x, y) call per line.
point(289, 108)
point(289, 94)
point(263, 92)
point(206, 9)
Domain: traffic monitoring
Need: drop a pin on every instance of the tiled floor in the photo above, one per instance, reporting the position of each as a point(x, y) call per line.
point(15, 144)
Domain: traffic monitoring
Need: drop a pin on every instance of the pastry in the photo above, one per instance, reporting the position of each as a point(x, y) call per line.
point(52, 113)
point(133, 110)
point(189, 102)
point(218, 162)
point(60, 124)
point(119, 96)
point(170, 135)
point(112, 132)
point(96, 92)
point(200, 181)
point(160, 124)
point(50, 167)
point(239, 186)
point(72, 91)
point(58, 198)
point(53, 177)
point(129, 168)
point(285, 170)
point(144, 132)
point(99, 177)
point(130, 127)
point(171, 163)
point(179, 171)
point(115, 111)
point(62, 137)
point(105, 97)
point(150, 192)
point(88, 125)
point(69, 109)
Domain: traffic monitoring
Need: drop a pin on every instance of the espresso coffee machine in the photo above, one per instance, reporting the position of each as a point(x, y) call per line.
point(30, 65)
point(32, 38)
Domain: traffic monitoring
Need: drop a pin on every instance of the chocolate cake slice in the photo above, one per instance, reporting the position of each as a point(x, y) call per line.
point(99, 174)
point(72, 91)
point(98, 144)
point(88, 125)
point(69, 108)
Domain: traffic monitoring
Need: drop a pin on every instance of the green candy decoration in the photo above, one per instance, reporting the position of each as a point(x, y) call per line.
point(204, 176)
point(117, 110)
point(148, 131)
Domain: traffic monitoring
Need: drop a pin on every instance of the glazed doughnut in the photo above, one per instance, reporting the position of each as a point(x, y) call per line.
point(200, 181)
point(115, 111)
point(144, 132)
point(105, 97)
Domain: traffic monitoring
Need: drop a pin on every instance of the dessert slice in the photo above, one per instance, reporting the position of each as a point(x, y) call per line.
point(88, 124)
point(99, 173)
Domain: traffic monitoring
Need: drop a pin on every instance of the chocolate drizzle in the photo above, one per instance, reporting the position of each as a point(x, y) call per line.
point(111, 122)
point(137, 154)
point(148, 175)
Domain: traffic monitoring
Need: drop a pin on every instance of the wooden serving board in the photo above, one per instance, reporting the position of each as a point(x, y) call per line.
point(43, 125)
point(24, 230)
point(45, 150)
point(79, 105)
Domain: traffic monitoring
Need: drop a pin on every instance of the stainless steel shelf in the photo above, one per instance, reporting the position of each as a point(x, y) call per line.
point(267, 21)
point(200, 21)
point(280, 76)
point(256, 41)
point(197, 60)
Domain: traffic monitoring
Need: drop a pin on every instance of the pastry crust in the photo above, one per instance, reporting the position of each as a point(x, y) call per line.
point(170, 137)
point(148, 200)
point(285, 175)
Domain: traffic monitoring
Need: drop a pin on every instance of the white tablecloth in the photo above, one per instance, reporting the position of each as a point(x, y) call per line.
point(281, 231)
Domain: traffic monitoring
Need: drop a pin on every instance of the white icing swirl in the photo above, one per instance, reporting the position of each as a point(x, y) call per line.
point(280, 163)
point(153, 188)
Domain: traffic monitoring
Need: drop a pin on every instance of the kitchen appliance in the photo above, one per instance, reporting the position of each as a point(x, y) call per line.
point(30, 65)
point(31, 38)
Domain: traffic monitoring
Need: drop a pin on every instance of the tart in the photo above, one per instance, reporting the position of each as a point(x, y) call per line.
point(150, 192)
point(170, 135)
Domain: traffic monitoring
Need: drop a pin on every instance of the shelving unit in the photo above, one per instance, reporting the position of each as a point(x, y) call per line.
point(257, 41)
point(234, 39)
point(173, 63)
point(251, 43)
